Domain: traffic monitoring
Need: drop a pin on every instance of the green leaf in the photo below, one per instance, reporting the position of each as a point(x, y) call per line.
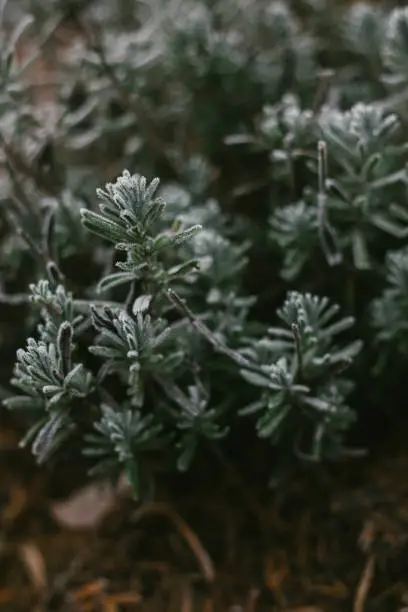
point(318, 404)
point(256, 379)
point(113, 280)
point(183, 269)
point(162, 241)
point(153, 214)
point(390, 179)
point(388, 225)
point(23, 402)
point(56, 399)
point(252, 408)
point(103, 227)
point(142, 304)
point(269, 424)
point(50, 390)
point(338, 327)
point(186, 235)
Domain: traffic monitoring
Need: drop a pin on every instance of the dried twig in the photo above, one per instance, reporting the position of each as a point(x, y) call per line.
point(34, 562)
point(193, 541)
point(364, 585)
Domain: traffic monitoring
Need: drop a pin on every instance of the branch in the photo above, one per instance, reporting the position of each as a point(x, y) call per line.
point(204, 331)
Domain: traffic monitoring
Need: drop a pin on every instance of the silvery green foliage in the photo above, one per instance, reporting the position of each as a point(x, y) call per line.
point(143, 352)
point(122, 430)
point(389, 310)
point(135, 347)
point(289, 125)
point(46, 370)
point(120, 438)
point(51, 383)
point(300, 374)
point(364, 31)
point(365, 143)
point(365, 159)
point(56, 306)
point(278, 131)
point(295, 230)
point(130, 213)
point(71, 236)
point(395, 48)
point(196, 420)
point(315, 329)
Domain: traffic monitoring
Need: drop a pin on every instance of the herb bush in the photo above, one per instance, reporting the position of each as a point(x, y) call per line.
point(251, 304)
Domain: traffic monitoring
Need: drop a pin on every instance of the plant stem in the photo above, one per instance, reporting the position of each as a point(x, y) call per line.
point(328, 238)
point(204, 331)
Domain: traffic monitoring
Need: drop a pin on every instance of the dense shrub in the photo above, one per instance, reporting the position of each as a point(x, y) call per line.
point(256, 297)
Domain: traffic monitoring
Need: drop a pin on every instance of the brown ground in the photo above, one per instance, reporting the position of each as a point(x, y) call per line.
point(328, 546)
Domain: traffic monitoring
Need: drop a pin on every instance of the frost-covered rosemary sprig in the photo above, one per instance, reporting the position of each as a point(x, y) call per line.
point(302, 389)
point(51, 383)
point(129, 216)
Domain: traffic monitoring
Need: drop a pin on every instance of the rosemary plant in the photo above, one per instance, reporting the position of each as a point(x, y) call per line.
point(251, 288)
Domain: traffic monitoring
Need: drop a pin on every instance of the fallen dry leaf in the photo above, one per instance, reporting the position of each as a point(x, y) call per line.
point(17, 502)
point(90, 590)
point(33, 560)
point(86, 508)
